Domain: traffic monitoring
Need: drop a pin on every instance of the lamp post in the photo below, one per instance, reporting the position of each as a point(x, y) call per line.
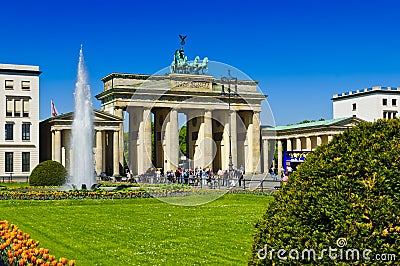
point(229, 80)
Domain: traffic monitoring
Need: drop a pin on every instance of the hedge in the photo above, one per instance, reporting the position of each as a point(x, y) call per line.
point(346, 196)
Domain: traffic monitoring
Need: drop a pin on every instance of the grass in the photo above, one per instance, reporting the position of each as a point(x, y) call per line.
point(141, 231)
point(15, 184)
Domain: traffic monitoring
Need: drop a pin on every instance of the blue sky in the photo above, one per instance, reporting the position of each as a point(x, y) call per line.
point(301, 52)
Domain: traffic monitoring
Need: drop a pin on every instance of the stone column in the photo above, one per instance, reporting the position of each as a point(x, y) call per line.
point(99, 152)
point(145, 149)
point(52, 145)
point(308, 143)
point(207, 140)
point(203, 145)
point(225, 144)
point(133, 137)
point(256, 148)
point(116, 153)
point(319, 141)
point(57, 146)
point(173, 142)
point(233, 141)
point(265, 155)
point(120, 113)
point(280, 161)
point(289, 144)
point(298, 144)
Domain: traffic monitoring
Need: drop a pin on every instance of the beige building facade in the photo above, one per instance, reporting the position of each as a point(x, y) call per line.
point(55, 142)
point(19, 137)
point(216, 124)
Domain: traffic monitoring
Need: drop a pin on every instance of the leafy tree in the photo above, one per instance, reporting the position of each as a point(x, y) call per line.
point(306, 121)
point(349, 189)
point(182, 140)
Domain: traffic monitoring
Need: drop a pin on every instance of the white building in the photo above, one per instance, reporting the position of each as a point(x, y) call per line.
point(369, 104)
point(19, 134)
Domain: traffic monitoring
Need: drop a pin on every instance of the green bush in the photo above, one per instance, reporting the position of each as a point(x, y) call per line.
point(48, 173)
point(347, 189)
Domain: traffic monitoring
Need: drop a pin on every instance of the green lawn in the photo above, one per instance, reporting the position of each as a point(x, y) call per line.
point(141, 231)
point(15, 184)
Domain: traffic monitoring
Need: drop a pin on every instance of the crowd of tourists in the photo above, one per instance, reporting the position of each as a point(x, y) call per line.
point(284, 176)
point(196, 177)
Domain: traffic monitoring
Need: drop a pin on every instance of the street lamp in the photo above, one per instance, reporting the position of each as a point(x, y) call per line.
point(228, 80)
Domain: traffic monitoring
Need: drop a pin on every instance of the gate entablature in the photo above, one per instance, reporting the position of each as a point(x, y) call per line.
point(120, 89)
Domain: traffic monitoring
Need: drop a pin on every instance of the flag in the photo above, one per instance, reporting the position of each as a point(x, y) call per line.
point(53, 109)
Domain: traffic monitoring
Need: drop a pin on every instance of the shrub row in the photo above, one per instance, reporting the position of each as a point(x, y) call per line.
point(346, 195)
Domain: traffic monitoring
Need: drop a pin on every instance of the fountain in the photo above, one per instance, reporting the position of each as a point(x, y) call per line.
point(82, 172)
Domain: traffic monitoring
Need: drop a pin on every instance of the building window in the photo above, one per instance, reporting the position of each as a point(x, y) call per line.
point(354, 106)
point(9, 131)
point(26, 85)
point(25, 108)
point(26, 131)
point(26, 162)
point(389, 115)
point(9, 84)
point(17, 110)
point(9, 111)
point(394, 102)
point(9, 161)
point(384, 102)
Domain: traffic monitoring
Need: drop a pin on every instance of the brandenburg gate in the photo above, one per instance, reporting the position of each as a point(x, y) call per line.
point(217, 125)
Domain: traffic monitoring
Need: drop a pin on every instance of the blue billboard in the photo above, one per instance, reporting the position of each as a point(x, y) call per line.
point(293, 158)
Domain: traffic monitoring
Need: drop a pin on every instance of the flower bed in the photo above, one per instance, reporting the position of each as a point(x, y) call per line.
point(17, 248)
point(126, 193)
point(76, 194)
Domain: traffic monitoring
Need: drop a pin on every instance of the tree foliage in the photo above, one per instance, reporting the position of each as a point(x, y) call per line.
point(349, 188)
point(48, 173)
point(306, 121)
point(182, 140)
